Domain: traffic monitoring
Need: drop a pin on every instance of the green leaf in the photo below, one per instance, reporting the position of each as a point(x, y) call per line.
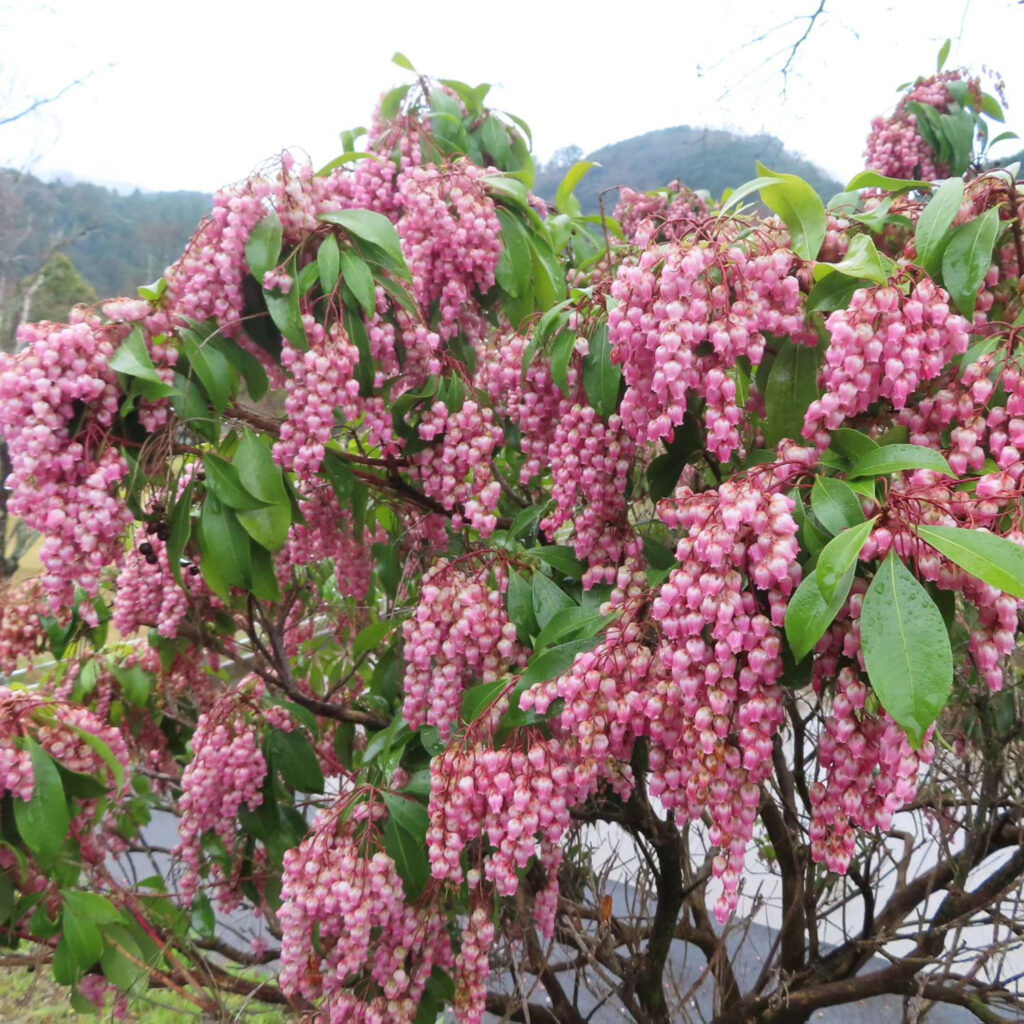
point(548, 275)
point(251, 369)
point(102, 749)
point(561, 356)
point(359, 279)
point(92, 905)
point(477, 699)
point(514, 272)
point(809, 614)
point(264, 576)
point(601, 377)
point(839, 555)
point(800, 208)
point(328, 263)
point(405, 840)
point(374, 229)
point(296, 760)
point(66, 970)
point(835, 505)
point(906, 648)
point(895, 458)
point(257, 471)
point(968, 257)
point(212, 367)
point(562, 559)
point(931, 236)
point(179, 524)
point(267, 526)
point(222, 481)
point(224, 545)
point(123, 962)
point(548, 599)
point(519, 600)
point(872, 179)
point(263, 249)
point(369, 639)
point(133, 360)
point(285, 312)
point(571, 624)
point(83, 938)
point(136, 684)
point(335, 468)
point(554, 661)
point(940, 61)
point(792, 386)
point(495, 140)
point(994, 559)
point(402, 61)
point(862, 260)
point(851, 444)
point(959, 129)
point(43, 821)
point(565, 201)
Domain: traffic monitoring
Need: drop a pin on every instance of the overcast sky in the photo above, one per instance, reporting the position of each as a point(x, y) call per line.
point(197, 93)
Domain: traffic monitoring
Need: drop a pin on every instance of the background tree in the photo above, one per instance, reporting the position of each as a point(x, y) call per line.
point(588, 591)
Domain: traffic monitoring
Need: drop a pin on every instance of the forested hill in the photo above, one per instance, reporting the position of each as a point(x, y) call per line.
point(701, 158)
point(117, 242)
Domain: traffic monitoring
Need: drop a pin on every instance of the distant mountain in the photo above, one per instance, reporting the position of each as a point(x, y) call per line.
point(116, 241)
point(701, 158)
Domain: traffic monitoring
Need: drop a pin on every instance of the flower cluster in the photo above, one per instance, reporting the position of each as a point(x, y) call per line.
point(677, 301)
point(21, 632)
point(671, 212)
point(883, 346)
point(459, 634)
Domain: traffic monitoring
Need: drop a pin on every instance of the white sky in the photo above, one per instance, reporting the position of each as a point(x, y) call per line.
point(197, 93)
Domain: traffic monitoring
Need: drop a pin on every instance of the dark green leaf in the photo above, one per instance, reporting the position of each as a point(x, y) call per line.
point(835, 505)
point(296, 760)
point(43, 821)
point(548, 598)
point(515, 267)
point(222, 481)
point(895, 458)
point(561, 356)
point(571, 623)
point(359, 280)
point(519, 599)
point(284, 311)
point(562, 559)
point(251, 369)
point(554, 661)
point(994, 559)
point(601, 377)
point(82, 936)
point(792, 386)
point(375, 229)
point(852, 444)
point(179, 524)
point(862, 260)
point(123, 961)
point(833, 291)
point(477, 699)
point(224, 546)
point(405, 840)
point(136, 684)
point(328, 262)
point(968, 257)
point(872, 179)
point(906, 648)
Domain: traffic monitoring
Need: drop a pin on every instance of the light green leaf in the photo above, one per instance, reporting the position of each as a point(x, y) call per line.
point(895, 458)
point(862, 260)
point(872, 179)
point(809, 614)
point(906, 648)
point(931, 235)
point(994, 559)
point(839, 555)
point(800, 208)
point(565, 201)
point(940, 61)
point(263, 249)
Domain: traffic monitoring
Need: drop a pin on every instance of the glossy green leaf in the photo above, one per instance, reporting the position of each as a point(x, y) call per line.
point(43, 821)
point(296, 760)
point(328, 264)
point(285, 312)
point(906, 648)
point(792, 386)
point(550, 663)
point(800, 208)
point(968, 257)
point(514, 272)
point(257, 471)
point(263, 249)
point(519, 601)
point(375, 229)
point(835, 505)
point(267, 526)
point(601, 377)
point(895, 458)
point(359, 279)
point(212, 367)
point(872, 179)
point(250, 368)
point(79, 931)
point(477, 699)
point(571, 624)
point(809, 614)
point(405, 840)
point(548, 599)
point(561, 356)
point(548, 275)
point(562, 559)
point(833, 291)
point(839, 555)
point(565, 201)
point(862, 261)
point(224, 545)
point(133, 360)
point(222, 481)
point(179, 524)
point(932, 233)
point(852, 444)
point(371, 638)
point(93, 905)
point(994, 559)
